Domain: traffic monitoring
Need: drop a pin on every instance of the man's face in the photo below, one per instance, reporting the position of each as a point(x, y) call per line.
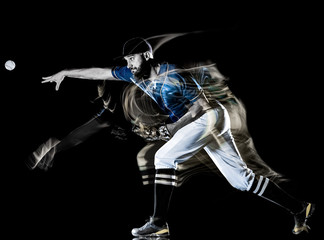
point(137, 64)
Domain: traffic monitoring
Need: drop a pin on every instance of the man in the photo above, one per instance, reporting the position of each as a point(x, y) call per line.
point(194, 124)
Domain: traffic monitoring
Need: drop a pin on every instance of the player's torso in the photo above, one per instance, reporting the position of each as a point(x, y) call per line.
point(171, 91)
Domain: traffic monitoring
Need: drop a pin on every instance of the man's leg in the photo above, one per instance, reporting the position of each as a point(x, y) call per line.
point(224, 153)
point(181, 147)
point(43, 156)
point(270, 191)
point(157, 226)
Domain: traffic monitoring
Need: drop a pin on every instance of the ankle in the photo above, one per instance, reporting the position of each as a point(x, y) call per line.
point(158, 221)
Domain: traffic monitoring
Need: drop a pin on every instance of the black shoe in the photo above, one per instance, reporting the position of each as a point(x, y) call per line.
point(151, 230)
point(302, 217)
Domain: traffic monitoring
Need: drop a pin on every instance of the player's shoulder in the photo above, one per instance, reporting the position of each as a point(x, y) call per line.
point(170, 68)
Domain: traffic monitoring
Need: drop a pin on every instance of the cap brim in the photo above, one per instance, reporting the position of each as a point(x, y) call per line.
point(118, 58)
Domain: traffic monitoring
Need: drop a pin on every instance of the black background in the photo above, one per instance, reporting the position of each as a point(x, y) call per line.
point(272, 55)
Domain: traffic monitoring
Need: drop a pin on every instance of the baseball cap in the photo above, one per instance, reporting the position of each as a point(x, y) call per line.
point(136, 45)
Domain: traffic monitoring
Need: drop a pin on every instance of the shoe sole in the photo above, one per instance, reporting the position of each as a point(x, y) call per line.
point(152, 235)
point(151, 238)
point(164, 233)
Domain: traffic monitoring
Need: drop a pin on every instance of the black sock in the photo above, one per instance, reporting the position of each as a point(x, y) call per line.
point(165, 180)
point(270, 191)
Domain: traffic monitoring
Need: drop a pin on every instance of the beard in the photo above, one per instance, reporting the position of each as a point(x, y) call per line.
point(143, 71)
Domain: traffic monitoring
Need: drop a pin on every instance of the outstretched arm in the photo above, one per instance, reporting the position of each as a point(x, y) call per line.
point(85, 73)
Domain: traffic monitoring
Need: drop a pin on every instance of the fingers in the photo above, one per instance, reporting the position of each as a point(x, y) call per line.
point(47, 79)
point(51, 79)
point(57, 86)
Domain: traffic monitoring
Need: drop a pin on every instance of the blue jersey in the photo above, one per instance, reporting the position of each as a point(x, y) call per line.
point(174, 90)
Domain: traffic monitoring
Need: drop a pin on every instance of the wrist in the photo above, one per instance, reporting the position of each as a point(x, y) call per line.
point(170, 127)
point(65, 73)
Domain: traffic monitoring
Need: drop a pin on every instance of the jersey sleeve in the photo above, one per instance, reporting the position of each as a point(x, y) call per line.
point(122, 73)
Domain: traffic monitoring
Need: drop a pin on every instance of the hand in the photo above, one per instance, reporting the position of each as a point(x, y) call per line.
point(57, 78)
point(164, 133)
point(151, 134)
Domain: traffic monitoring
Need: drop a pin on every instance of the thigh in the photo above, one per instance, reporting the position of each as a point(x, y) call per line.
point(227, 158)
point(185, 143)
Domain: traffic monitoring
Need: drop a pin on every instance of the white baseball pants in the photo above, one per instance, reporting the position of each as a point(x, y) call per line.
point(212, 133)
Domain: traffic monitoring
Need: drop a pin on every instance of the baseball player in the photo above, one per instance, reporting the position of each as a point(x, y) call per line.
point(140, 110)
point(194, 124)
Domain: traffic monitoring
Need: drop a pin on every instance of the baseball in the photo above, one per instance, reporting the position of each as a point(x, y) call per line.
point(10, 65)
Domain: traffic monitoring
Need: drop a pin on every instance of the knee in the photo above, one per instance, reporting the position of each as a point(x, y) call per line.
point(240, 186)
point(243, 182)
point(162, 160)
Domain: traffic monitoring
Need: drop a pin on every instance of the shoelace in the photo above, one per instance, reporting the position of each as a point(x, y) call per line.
point(145, 225)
